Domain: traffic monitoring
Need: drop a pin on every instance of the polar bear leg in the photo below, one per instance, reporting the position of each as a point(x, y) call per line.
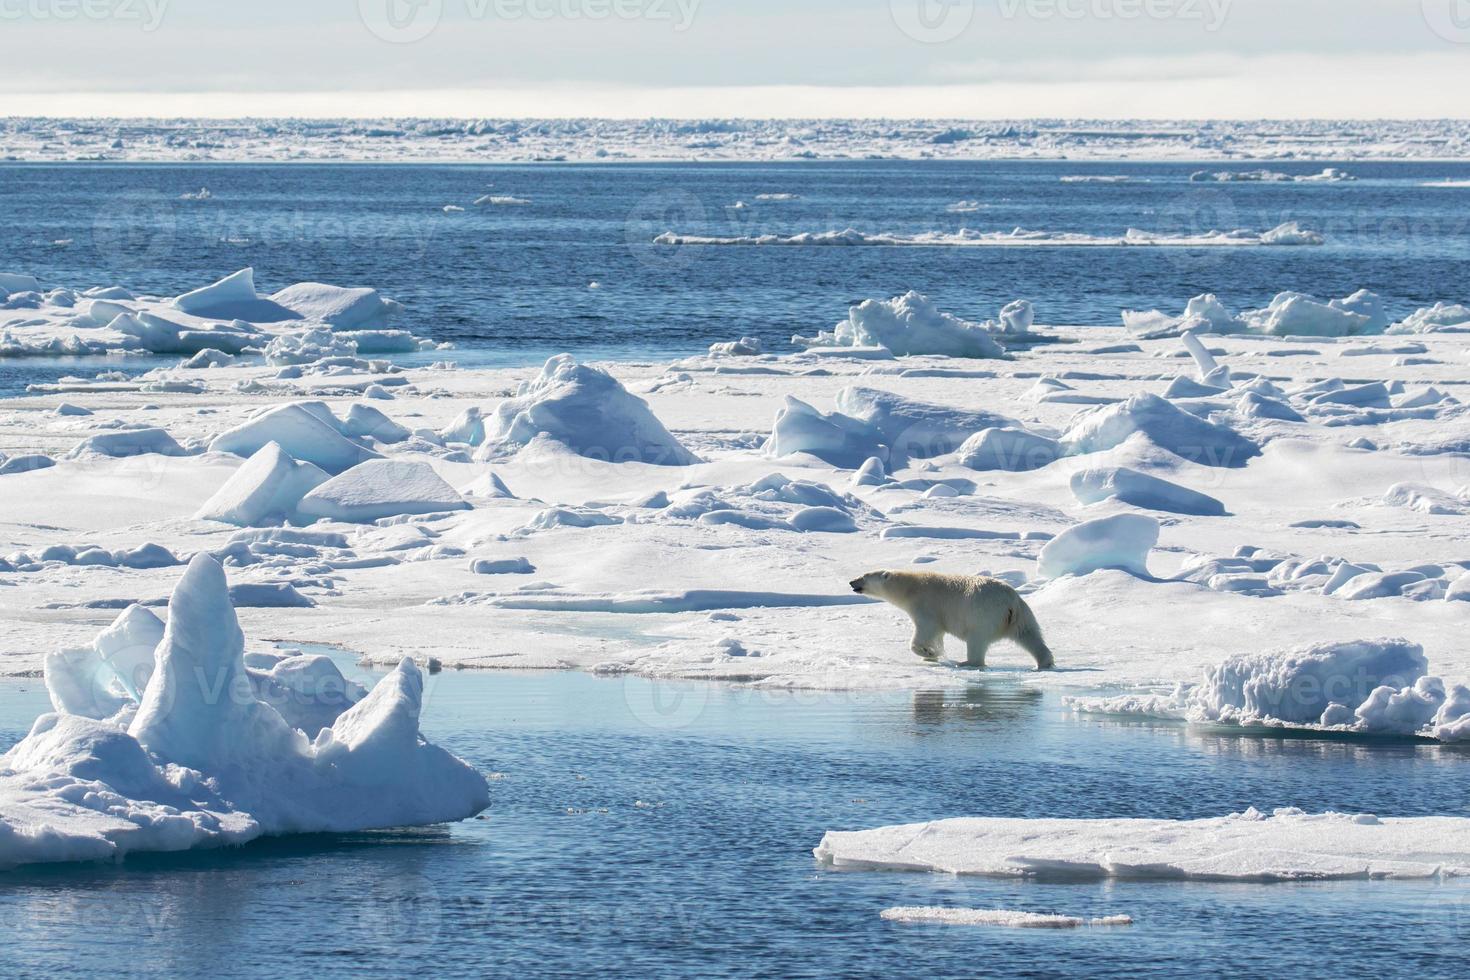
point(928, 638)
point(976, 650)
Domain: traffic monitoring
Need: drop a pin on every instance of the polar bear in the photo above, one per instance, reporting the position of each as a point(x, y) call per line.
point(972, 608)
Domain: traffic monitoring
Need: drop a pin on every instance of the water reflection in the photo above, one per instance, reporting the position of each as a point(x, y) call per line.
point(978, 704)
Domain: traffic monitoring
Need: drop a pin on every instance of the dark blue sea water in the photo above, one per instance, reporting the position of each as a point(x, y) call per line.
point(665, 830)
point(510, 284)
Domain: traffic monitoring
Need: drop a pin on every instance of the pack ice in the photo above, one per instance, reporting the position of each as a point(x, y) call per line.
point(189, 749)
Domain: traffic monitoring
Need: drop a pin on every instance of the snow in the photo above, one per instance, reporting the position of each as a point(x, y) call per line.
point(667, 570)
point(381, 488)
point(1166, 426)
point(911, 428)
point(1441, 317)
point(1288, 845)
point(1122, 542)
point(132, 442)
point(1288, 234)
point(267, 489)
point(337, 307)
point(199, 760)
point(235, 291)
point(912, 324)
point(1129, 486)
point(302, 433)
point(831, 437)
point(587, 410)
point(480, 141)
point(1008, 448)
point(1368, 687)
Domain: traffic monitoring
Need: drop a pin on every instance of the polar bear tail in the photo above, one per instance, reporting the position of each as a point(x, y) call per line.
point(1026, 631)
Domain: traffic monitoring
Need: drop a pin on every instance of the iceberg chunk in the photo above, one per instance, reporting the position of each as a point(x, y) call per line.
point(588, 411)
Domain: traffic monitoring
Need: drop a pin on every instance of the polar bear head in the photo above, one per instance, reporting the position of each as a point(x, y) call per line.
point(874, 584)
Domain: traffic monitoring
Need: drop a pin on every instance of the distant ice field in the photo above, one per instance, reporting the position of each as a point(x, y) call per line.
point(511, 280)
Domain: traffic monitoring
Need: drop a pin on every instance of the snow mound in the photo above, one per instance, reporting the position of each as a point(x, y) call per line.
point(587, 410)
point(836, 438)
point(744, 347)
point(129, 442)
point(1427, 499)
point(912, 428)
point(1295, 315)
point(301, 431)
point(25, 463)
point(774, 502)
point(1166, 426)
point(1289, 845)
point(267, 489)
point(381, 488)
point(909, 325)
point(190, 767)
point(1004, 918)
point(1439, 318)
point(1367, 687)
point(1119, 542)
point(1008, 448)
point(1129, 486)
point(339, 307)
point(236, 290)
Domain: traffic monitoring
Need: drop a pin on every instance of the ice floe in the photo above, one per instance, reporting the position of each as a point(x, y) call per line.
point(1287, 845)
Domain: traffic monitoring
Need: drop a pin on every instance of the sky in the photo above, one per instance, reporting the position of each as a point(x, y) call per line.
point(981, 59)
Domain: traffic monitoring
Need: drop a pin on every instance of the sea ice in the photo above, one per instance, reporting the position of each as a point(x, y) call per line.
point(1288, 845)
point(1008, 449)
point(587, 410)
point(381, 488)
point(911, 324)
point(1166, 426)
point(266, 489)
point(202, 761)
point(1122, 542)
point(301, 432)
point(1369, 687)
point(1091, 486)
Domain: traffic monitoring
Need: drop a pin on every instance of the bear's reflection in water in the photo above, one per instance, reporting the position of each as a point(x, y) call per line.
point(978, 704)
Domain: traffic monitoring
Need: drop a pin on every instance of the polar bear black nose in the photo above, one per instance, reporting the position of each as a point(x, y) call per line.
point(857, 585)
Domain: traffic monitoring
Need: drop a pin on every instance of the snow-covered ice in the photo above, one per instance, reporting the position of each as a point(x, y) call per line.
point(1287, 845)
point(587, 410)
point(1280, 493)
point(482, 140)
point(191, 755)
point(912, 324)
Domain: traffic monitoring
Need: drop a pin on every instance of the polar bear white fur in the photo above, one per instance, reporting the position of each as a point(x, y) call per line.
point(972, 608)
